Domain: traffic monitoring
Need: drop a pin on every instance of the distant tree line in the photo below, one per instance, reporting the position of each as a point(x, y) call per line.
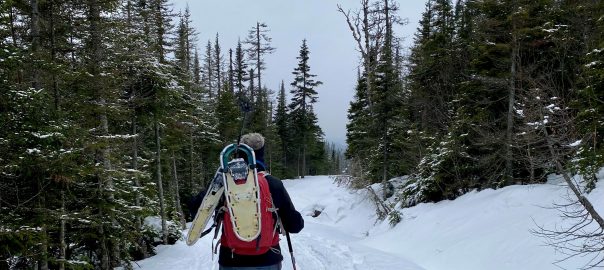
point(110, 113)
point(492, 93)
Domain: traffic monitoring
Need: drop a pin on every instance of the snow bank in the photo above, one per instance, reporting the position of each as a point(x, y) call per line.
point(351, 211)
point(490, 229)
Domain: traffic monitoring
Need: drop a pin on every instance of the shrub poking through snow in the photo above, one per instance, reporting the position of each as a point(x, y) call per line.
point(394, 217)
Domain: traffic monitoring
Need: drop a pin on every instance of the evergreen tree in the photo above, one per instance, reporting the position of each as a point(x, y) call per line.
point(386, 87)
point(259, 45)
point(82, 153)
point(186, 37)
point(196, 69)
point(431, 67)
point(304, 96)
point(240, 72)
point(208, 70)
point(259, 118)
point(357, 131)
point(227, 115)
point(218, 66)
point(282, 127)
point(589, 100)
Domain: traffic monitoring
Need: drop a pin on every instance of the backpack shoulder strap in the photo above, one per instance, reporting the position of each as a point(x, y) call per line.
point(273, 209)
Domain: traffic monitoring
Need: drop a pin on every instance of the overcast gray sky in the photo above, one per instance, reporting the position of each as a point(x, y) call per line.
point(333, 55)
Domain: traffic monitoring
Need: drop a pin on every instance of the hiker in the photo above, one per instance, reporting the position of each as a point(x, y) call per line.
point(267, 257)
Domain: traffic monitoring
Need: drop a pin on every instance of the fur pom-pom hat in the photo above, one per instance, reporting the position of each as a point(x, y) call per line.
point(256, 142)
point(253, 140)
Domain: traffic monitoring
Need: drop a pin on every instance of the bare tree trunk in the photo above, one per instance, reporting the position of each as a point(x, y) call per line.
point(532, 165)
point(381, 208)
point(367, 58)
point(13, 33)
point(361, 32)
point(137, 182)
point(53, 52)
point(384, 165)
point(63, 245)
point(191, 184)
point(160, 187)
point(580, 197)
point(115, 259)
point(508, 175)
point(105, 265)
point(304, 157)
point(35, 83)
point(181, 215)
point(44, 232)
point(388, 43)
point(105, 182)
point(299, 175)
point(270, 159)
point(284, 156)
point(35, 43)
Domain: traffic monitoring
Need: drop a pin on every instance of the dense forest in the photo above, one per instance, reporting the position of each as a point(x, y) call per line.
point(111, 113)
point(492, 93)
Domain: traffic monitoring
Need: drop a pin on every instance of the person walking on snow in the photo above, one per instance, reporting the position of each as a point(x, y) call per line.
point(290, 219)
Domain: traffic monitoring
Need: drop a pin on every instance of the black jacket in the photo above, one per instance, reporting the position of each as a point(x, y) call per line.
point(292, 222)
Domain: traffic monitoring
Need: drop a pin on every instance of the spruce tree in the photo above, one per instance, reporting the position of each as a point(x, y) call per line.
point(240, 69)
point(589, 100)
point(218, 66)
point(357, 131)
point(196, 69)
point(282, 126)
point(386, 88)
point(81, 101)
point(259, 45)
point(303, 118)
point(227, 114)
point(208, 70)
point(259, 118)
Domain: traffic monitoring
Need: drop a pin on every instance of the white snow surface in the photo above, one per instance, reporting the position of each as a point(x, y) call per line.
point(490, 229)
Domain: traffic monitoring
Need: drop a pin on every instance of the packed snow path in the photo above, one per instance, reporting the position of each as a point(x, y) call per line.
point(322, 244)
point(490, 229)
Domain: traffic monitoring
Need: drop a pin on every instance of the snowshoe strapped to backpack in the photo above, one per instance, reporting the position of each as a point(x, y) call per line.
point(249, 227)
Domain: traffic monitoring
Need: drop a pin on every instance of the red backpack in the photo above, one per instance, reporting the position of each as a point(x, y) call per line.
point(269, 236)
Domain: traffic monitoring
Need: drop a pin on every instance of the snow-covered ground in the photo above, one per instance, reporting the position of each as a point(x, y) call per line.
point(490, 229)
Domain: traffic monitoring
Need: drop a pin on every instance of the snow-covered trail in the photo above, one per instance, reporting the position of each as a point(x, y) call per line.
point(329, 241)
point(488, 229)
point(322, 247)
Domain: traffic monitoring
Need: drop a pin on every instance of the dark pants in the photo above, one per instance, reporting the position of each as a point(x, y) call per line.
point(270, 267)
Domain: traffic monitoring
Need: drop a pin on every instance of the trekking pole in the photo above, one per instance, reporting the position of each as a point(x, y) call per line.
point(291, 250)
point(245, 107)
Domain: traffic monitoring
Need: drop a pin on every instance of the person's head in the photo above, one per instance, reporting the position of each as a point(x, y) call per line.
point(256, 142)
